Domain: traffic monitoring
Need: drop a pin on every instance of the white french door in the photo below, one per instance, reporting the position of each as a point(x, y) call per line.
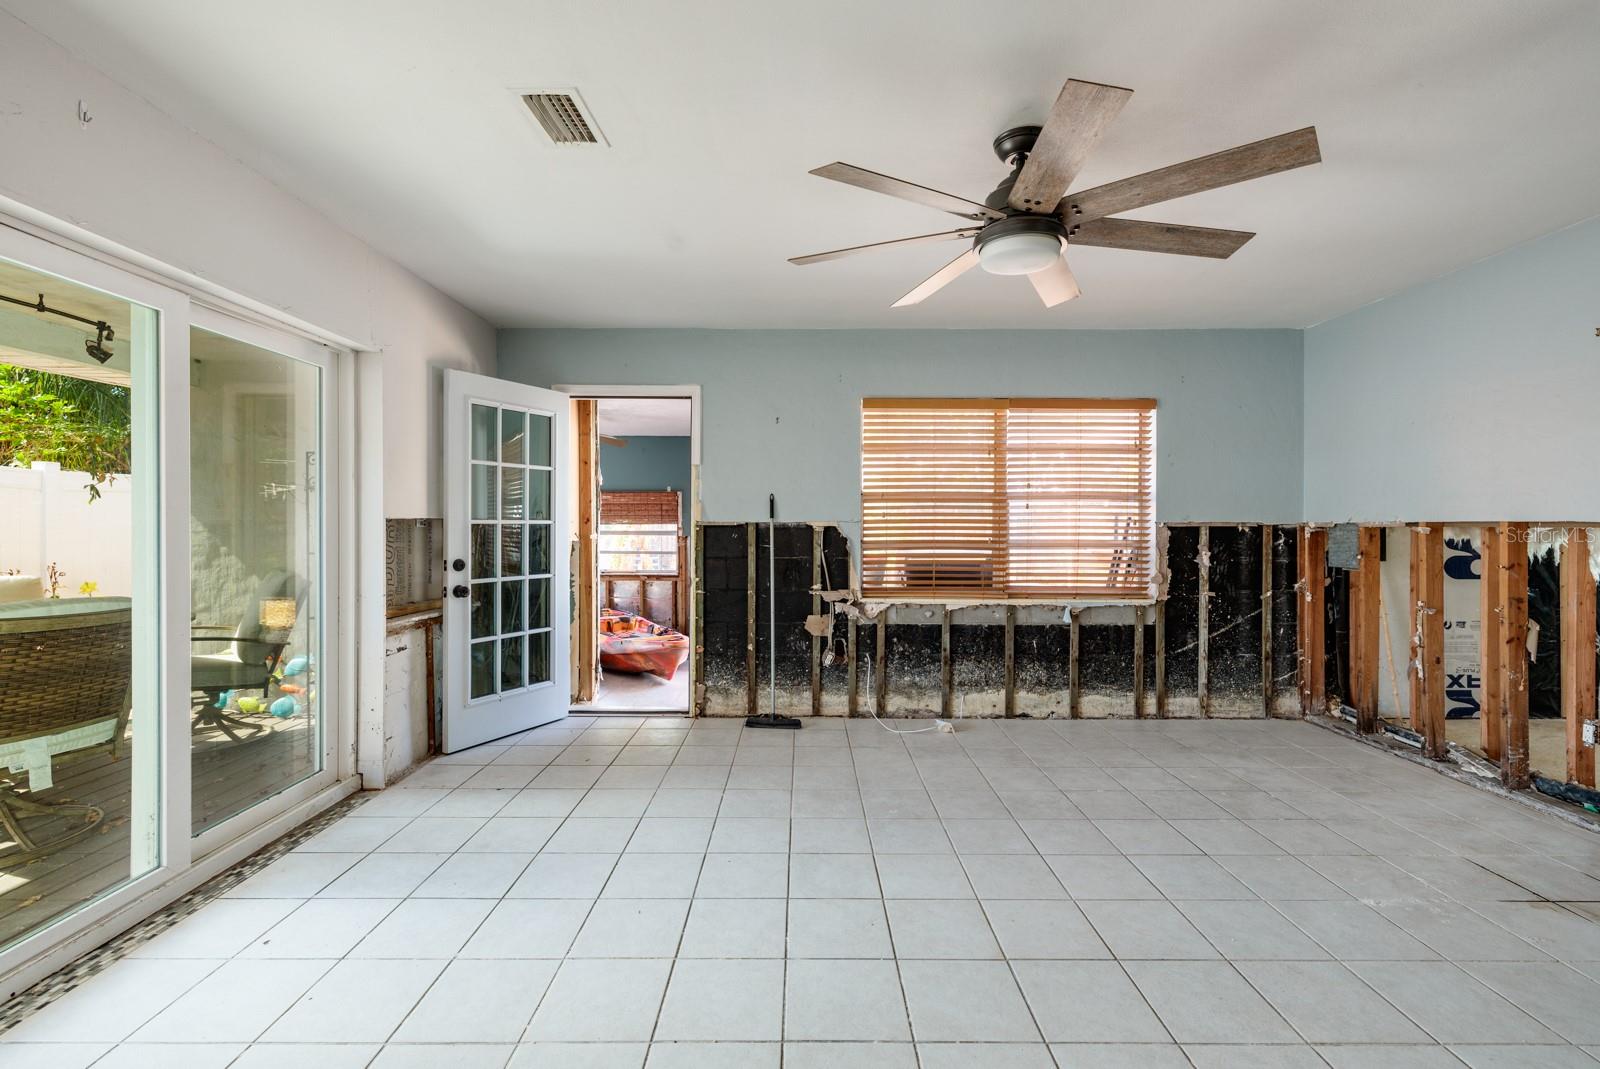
point(507, 618)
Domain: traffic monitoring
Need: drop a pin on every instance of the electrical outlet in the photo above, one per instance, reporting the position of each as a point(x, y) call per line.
point(1589, 732)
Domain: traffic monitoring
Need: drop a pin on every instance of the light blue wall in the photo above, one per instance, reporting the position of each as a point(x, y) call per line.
point(648, 463)
point(781, 408)
point(1473, 397)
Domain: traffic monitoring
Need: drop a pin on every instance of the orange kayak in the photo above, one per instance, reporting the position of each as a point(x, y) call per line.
point(637, 646)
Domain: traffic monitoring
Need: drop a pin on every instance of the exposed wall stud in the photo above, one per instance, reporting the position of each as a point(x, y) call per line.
point(1491, 717)
point(1268, 677)
point(1313, 569)
point(751, 683)
point(816, 610)
point(946, 665)
point(1428, 549)
point(1366, 626)
point(1011, 660)
point(1577, 653)
point(1414, 634)
point(1161, 659)
point(587, 631)
point(880, 666)
point(1074, 691)
point(1203, 622)
point(699, 637)
point(853, 708)
point(1138, 660)
point(1514, 655)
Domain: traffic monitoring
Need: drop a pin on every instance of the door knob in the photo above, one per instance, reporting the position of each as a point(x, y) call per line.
point(459, 591)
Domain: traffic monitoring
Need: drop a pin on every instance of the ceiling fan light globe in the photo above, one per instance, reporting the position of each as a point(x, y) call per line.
point(1019, 254)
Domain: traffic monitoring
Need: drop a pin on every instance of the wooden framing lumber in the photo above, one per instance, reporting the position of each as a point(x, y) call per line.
point(1074, 690)
point(587, 631)
point(853, 702)
point(816, 610)
point(698, 680)
point(1312, 566)
point(1203, 622)
point(1491, 715)
point(880, 674)
point(751, 683)
point(946, 665)
point(1011, 660)
point(1366, 626)
point(1577, 653)
point(1138, 660)
point(1268, 676)
point(1514, 772)
point(1427, 594)
point(1161, 659)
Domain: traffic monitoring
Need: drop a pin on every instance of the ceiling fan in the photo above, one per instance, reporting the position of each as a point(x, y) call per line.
point(1026, 224)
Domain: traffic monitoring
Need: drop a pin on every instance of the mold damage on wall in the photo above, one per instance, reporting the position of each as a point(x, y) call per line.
point(838, 655)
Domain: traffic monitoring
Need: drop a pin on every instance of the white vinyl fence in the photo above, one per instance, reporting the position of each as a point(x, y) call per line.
point(46, 517)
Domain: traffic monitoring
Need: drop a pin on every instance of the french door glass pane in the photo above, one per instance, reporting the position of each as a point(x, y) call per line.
point(508, 488)
point(80, 638)
point(538, 603)
point(256, 582)
point(511, 430)
point(484, 434)
point(538, 439)
point(539, 657)
point(482, 668)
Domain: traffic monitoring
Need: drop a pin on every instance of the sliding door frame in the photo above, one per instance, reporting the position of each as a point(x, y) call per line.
point(185, 861)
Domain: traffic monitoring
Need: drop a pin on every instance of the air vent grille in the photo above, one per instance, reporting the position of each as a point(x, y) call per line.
point(563, 117)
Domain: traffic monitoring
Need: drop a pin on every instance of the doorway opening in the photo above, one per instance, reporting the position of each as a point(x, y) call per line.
point(633, 573)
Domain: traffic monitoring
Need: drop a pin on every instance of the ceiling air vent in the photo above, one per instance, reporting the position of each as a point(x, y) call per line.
point(564, 117)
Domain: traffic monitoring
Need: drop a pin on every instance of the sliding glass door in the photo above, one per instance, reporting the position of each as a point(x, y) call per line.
point(80, 595)
point(258, 581)
point(169, 630)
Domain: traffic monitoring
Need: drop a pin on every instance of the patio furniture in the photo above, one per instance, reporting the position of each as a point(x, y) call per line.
point(66, 667)
point(250, 655)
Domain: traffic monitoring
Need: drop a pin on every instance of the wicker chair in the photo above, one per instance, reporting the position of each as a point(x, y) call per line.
point(65, 688)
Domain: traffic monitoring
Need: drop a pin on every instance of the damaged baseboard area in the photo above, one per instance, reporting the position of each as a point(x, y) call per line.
point(839, 655)
point(1566, 801)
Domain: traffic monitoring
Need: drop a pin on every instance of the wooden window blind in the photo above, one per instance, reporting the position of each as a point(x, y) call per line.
point(635, 507)
point(1008, 498)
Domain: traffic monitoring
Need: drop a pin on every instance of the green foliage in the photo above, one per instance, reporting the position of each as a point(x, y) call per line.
point(81, 425)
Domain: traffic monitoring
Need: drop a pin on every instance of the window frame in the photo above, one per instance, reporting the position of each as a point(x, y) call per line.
point(999, 595)
point(676, 534)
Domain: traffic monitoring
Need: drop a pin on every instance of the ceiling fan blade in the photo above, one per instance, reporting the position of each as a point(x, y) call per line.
point(1282, 153)
point(1055, 284)
point(1079, 116)
point(609, 439)
point(1158, 237)
point(940, 279)
point(948, 235)
point(896, 187)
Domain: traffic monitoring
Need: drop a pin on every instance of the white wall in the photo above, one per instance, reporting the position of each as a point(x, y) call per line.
point(46, 518)
point(781, 408)
point(1472, 397)
point(135, 176)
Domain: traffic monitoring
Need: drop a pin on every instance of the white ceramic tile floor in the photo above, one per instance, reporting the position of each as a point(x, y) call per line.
point(651, 893)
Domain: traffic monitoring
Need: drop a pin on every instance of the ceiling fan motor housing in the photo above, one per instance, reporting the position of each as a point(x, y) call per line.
point(1019, 244)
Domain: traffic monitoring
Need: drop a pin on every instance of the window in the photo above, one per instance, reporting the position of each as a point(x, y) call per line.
point(1008, 498)
point(638, 532)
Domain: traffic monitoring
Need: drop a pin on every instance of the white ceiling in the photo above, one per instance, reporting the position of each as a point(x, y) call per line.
point(643, 416)
point(1450, 130)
